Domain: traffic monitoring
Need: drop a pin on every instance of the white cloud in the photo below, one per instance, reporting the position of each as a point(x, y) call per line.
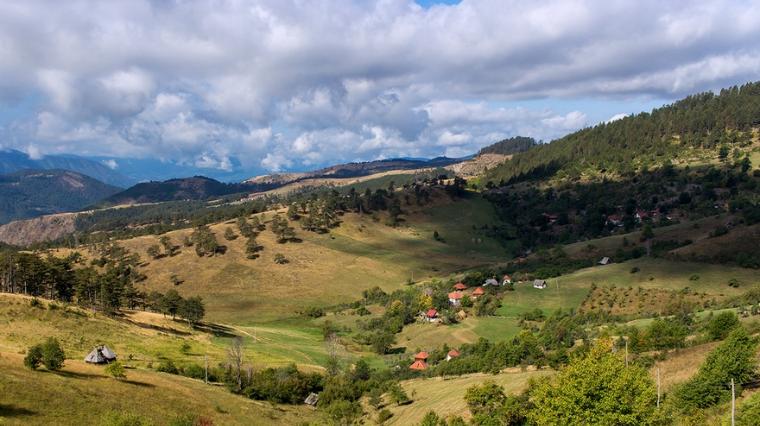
point(206, 82)
point(111, 164)
point(617, 117)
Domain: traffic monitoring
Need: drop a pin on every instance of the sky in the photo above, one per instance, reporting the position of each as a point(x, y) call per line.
point(277, 85)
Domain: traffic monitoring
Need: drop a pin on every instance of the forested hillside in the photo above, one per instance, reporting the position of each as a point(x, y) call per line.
point(702, 121)
point(32, 193)
point(509, 146)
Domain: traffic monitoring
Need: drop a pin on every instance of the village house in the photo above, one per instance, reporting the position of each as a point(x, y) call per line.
point(506, 280)
point(541, 284)
point(455, 298)
point(452, 354)
point(477, 292)
point(614, 220)
point(605, 260)
point(431, 315)
point(460, 287)
point(420, 362)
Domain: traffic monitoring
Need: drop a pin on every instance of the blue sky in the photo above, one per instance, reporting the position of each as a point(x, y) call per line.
point(273, 85)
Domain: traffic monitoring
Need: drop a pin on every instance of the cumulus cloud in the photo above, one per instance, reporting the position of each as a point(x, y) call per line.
point(285, 84)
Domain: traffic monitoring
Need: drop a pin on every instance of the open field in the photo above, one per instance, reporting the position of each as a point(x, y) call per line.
point(80, 394)
point(446, 396)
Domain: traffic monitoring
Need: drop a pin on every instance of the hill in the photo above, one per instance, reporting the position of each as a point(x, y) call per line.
point(193, 188)
point(13, 161)
point(31, 193)
point(673, 133)
point(82, 394)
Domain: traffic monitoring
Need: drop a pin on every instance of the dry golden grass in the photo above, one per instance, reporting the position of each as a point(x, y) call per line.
point(681, 365)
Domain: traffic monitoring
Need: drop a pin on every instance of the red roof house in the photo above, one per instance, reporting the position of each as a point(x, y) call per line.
point(460, 287)
point(506, 280)
point(431, 313)
point(418, 365)
point(455, 297)
point(478, 292)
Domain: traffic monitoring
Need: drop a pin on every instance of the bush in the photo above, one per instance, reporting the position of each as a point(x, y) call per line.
point(194, 371)
point(50, 354)
point(33, 357)
point(117, 418)
point(167, 366)
point(722, 324)
point(384, 415)
point(116, 370)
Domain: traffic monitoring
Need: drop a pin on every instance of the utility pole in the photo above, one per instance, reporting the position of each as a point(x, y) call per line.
point(658, 387)
point(733, 403)
point(626, 351)
point(205, 359)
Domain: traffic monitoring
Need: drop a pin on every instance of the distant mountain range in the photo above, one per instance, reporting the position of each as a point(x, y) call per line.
point(30, 193)
point(13, 161)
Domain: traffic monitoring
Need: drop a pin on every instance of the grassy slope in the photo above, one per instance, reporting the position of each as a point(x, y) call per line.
point(324, 269)
point(446, 396)
point(81, 395)
point(147, 337)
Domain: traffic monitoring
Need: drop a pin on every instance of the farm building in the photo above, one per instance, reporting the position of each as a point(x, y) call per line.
point(539, 284)
point(605, 260)
point(491, 281)
point(100, 355)
point(312, 399)
point(455, 298)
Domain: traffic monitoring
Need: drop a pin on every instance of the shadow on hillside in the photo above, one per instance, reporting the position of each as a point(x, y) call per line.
point(141, 384)
point(162, 329)
point(215, 329)
point(13, 411)
point(76, 375)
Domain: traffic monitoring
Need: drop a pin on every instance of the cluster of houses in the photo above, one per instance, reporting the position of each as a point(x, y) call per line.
point(420, 360)
point(640, 216)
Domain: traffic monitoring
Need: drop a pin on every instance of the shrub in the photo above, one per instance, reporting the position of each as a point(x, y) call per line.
point(635, 269)
point(118, 418)
point(384, 415)
point(722, 324)
point(33, 357)
point(194, 371)
point(167, 366)
point(280, 259)
point(116, 370)
point(52, 354)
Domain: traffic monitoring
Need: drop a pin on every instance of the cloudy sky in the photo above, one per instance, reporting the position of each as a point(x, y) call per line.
point(294, 84)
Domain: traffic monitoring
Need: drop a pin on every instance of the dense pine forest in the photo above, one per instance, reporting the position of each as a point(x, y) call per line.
point(635, 143)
